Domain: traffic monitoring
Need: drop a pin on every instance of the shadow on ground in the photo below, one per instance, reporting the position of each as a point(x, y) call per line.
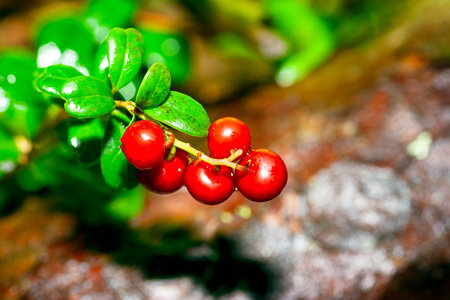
point(167, 251)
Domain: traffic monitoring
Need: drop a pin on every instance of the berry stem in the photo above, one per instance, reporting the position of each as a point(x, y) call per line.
point(133, 109)
point(213, 161)
point(234, 155)
point(228, 162)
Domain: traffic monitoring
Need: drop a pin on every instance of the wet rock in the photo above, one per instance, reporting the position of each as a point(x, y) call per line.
point(302, 270)
point(336, 276)
point(74, 273)
point(428, 232)
point(352, 206)
point(180, 288)
point(428, 92)
point(388, 125)
point(74, 278)
point(91, 276)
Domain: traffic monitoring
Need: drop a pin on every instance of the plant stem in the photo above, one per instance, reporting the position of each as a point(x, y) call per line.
point(228, 162)
point(213, 161)
point(133, 109)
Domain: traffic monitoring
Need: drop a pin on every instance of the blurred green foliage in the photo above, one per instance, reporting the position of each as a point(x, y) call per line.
point(171, 49)
point(65, 41)
point(84, 138)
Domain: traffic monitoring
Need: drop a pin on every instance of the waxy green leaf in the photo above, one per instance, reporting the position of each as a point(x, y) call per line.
point(124, 48)
point(182, 113)
point(84, 138)
point(116, 170)
point(87, 97)
point(100, 68)
point(51, 79)
point(129, 92)
point(155, 87)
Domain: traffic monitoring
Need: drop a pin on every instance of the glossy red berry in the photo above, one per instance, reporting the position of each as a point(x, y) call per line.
point(143, 144)
point(228, 134)
point(168, 176)
point(265, 177)
point(207, 184)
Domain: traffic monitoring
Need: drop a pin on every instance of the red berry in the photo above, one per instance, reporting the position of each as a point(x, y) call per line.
point(265, 177)
point(207, 184)
point(228, 134)
point(167, 177)
point(143, 144)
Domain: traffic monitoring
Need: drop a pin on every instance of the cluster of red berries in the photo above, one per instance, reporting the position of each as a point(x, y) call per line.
point(262, 175)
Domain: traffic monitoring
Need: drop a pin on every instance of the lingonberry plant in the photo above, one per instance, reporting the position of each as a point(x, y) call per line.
point(139, 140)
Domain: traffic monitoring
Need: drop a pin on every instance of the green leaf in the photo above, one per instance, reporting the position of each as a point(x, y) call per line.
point(312, 40)
point(21, 106)
point(129, 92)
point(9, 154)
point(102, 15)
point(85, 139)
point(22, 118)
point(32, 177)
point(155, 87)
point(100, 66)
point(65, 41)
point(182, 113)
point(116, 170)
point(87, 97)
point(127, 204)
point(233, 45)
point(16, 76)
point(57, 171)
point(51, 79)
point(171, 49)
point(125, 48)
